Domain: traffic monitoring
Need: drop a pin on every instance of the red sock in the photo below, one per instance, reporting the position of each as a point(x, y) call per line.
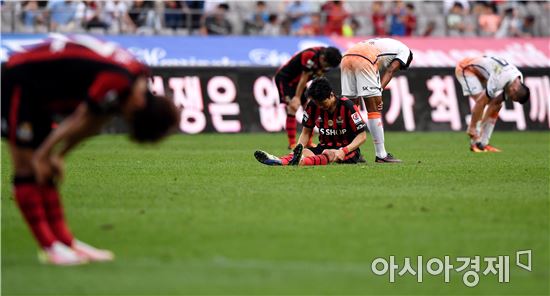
point(54, 214)
point(291, 129)
point(29, 200)
point(315, 160)
point(285, 159)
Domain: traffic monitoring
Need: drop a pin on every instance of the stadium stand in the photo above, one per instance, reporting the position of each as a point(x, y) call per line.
point(347, 18)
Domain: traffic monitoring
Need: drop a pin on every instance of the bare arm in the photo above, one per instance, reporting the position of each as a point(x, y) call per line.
point(493, 107)
point(305, 135)
point(302, 84)
point(79, 125)
point(394, 66)
point(356, 143)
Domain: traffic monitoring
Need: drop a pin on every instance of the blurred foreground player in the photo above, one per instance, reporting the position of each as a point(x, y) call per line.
point(292, 77)
point(361, 68)
point(88, 81)
point(489, 81)
point(341, 130)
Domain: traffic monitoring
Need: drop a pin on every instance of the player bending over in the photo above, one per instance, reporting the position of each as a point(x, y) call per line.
point(341, 130)
point(291, 80)
point(489, 81)
point(361, 68)
point(87, 81)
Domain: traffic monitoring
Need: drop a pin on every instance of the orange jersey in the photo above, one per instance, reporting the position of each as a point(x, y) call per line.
point(472, 66)
point(360, 56)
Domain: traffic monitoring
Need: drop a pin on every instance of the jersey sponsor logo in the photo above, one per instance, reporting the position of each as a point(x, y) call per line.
point(371, 88)
point(332, 132)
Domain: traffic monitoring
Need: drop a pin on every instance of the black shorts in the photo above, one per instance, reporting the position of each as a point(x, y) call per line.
point(351, 158)
point(287, 91)
point(24, 124)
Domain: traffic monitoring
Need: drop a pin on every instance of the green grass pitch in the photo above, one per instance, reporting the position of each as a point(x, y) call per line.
point(199, 215)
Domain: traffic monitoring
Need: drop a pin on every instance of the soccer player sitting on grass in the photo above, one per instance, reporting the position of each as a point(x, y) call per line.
point(87, 81)
point(341, 130)
point(292, 77)
point(489, 81)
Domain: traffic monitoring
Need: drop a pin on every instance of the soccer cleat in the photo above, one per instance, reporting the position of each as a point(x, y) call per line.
point(297, 155)
point(490, 148)
point(477, 148)
point(267, 158)
point(60, 254)
point(90, 253)
point(388, 159)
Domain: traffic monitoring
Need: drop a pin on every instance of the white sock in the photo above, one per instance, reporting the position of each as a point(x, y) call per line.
point(376, 129)
point(487, 130)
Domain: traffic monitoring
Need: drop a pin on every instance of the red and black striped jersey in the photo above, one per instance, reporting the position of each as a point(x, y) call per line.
point(336, 129)
point(306, 60)
point(58, 74)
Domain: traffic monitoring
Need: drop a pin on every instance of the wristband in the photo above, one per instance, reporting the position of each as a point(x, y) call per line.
point(345, 149)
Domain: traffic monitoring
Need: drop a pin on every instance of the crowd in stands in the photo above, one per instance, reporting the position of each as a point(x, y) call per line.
point(276, 18)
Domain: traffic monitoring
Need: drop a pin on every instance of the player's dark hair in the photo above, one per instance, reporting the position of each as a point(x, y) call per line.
point(319, 90)
point(153, 122)
point(332, 56)
point(523, 94)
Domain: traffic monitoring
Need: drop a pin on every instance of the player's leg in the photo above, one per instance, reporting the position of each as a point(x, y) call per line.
point(472, 87)
point(488, 125)
point(369, 87)
point(285, 95)
point(29, 198)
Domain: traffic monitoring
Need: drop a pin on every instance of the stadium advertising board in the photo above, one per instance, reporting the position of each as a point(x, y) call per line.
point(196, 51)
point(246, 100)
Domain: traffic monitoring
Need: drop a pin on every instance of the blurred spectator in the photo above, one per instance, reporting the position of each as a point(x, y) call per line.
point(528, 26)
point(173, 14)
point(350, 29)
point(217, 23)
point(312, 29)
point(195, 9)
point(410, 20)
point(298, 13)
point(255, 24)
point(286, 27)
point(510, 25)
point(117, 16)
point(62, 15)
point(488, 20)
point(32, 13)
point(449, 4)
point(429, 30)
point(455, 20)
point(378, 19)
point(272, 27)
point(336, 15)
point(91, 15)
point(397, 22)
point(142, 14)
